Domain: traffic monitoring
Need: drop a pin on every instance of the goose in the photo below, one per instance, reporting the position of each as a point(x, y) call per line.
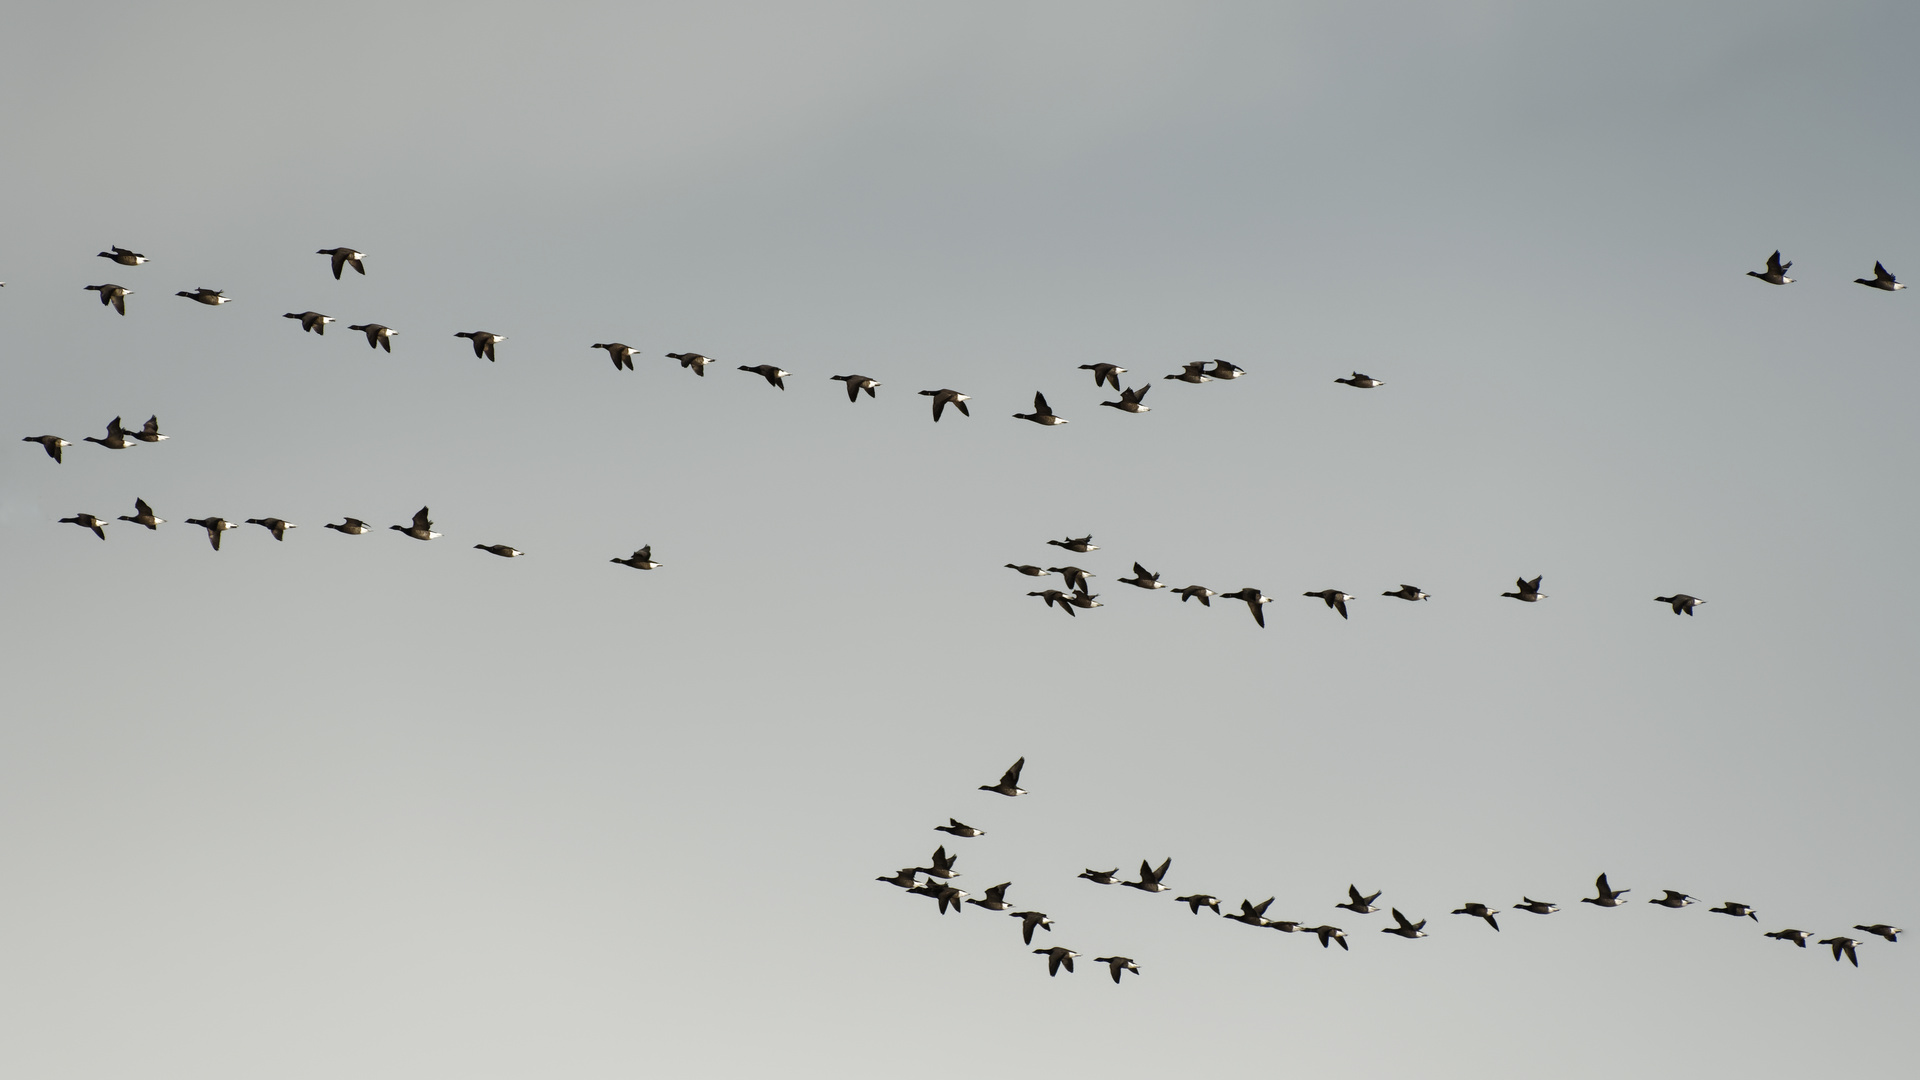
point(692, 360)
point(149, 431)
point(1009, 784)
point(1029, 920)
point(905, 879)
point(52, 444)
point(1255, 602)
point(143, 515)
point(421, 529)
point(857, 383)
point(996, 899)
point(1192, 373)
point(1364, 382)
point(622, 355)
point(483, 342)
point(115, 295)
point(123, 256)
point(1081, 598)
point(344, 257)
point(1196, 592)
point(928, 888)
point(1199, 900)
point(949, 896)
point(1682, 603)
point(1538, 907)
point(1130, 400)
point(1674, 900)
point(1105, 373)
point(1407, 592)
point(378, 337)
point(1891, 933)
point(943, 398)
point(1075, 577)
point(214, 526)
point(87, 521)
point(955, 828)
point(1607, 896)
point(1335, 599)
point(1053, 596)
point(1776, 271)
point(774, 376)
point(1101, 877)
point(1041, 414)
point(311, 321)
point(501, 550)
point(1329, 934)
point(209, 297)
point(1881, 280)
point(1251, 913)
point(1029, 569)
point(1223, 370)
point(1142, 579)
point(942, 864)
point(1842, 945)
point(1479, 911)
point(1798, 937)
point(1360, 905)
point(639, 560)
point(1408, 930)
point(350, 526)
point(1150, 877)
point(1080, 547)
point(116, 436)
point(1737, 909)
point(1058, 957)
point(276, 526)
point(1117, 965)
point(1529, 590)
point(1285, 926)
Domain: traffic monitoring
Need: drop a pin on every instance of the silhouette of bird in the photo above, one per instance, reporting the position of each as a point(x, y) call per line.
point(1329, 934)
point(942, 864)
point(143, 515)
point(1776, 273)
point(214, 526)
point(274, 525)
point(150, 431)
point(1081, 546)
point(483, 342)
point(692, 360)
point(1891, 933)
point(1117, 965)
point(1335, 599)
point(1041, 414)
point(1199, 900)
point(1798, 937)
point(1101, 877)
point(1529, 590)
point(1674, 900)
point(1130, 400)
point(1105, 373)
point(1363, 382)
point(501, 550)
point(905, 879)
point(1192, 373)
point(955, 828)
point(123, 256)
point(944, 398)
point(350, 526)
point(1081, 598)
point(1074, 577)
point(344, 257)
point(87, 521)
point(52, 444)
point(1028, 921)
point(1196, 592)
point(114, 295)
point(1842, 945)
point(1223, 370)
point(1737, 909)
point(622, 355)
point(1058, 957)
point(1256, 603)
point(209, 297)
point(421, 529)
point(1881, 280)
point(1054, 596)
point(116, 436)
point(1029, 569)
point(378, 337)
point(1606, 896)
point(311, 321)
point(1408, 930)
point(1479, 911)
point(857, 383)
point(1142, 578)
point(1251, 913)
point(1360, 905)
point(1150, 877)
point(1009, 784)
point(774, 376)
point(996, 898)
point(1407, 592)
point(639, 560)
point(1538, 907)
point(1682, 603)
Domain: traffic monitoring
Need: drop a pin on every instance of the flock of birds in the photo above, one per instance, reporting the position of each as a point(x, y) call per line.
point(939, 887)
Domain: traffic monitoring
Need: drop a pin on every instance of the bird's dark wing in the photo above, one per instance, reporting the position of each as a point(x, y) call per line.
point(1040, 405)
point(421, 522)
point(1012, 777)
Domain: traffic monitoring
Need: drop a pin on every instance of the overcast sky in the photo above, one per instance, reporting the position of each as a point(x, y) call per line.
point(363, 806)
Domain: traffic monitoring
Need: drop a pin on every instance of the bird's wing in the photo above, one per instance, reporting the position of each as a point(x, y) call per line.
point(421, 522)
point(1341, 607)
point(1012, 778)
point(140, 507)
point(1040, 405)
point(339, 261)
point(939, 404)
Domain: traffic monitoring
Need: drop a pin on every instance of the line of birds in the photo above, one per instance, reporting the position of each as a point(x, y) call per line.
point(1151, 879)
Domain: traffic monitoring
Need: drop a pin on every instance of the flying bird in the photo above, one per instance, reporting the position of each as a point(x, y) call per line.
point(1054, 596)
point(344, 257)
point(1101, 877)
point(124, 257)
point(905, 879)
point(150, 431)
point(115, 295)
point(1328, 934)
point(1081, 546)
point(1130, 400)
point(1529, 590)
point(1150, 877)
point(1737, 909)
point(1479, 911)
point(1195, 372)
point(1364, 382)
point(214, 526)
point(944, 398)
point(1026, 568)
point(692, 360)
point(501, 550)
point(350, 526)
point(143, 515)
point(1881, 280)
point(1142, 578)
point(1335, 599)
point(857, 383)
point(378, 337)
point(1407, 592)
point(311, 321)
point(942, 864)
point(1891, 933)
point(1223, 370)
point(1256, 603)
point(1105, 373)
point(1196, 592)
point(1009, 784)
point(1798, 937)
point(622, 354)
point(1058, 957)
point(52, 444)
point(1074, 577)
point(1029, 920)
point(1360, 905)
point(209, 297)
point(421, 529)
point(1607, 896)
point(996, 898)
point(483, 342)
point(273, 525)
point(87, 521)
point(1674, 900)
point(1118, 965)
point(773, 375)
point(639, 560)
point(1199, 900)
point(1041, 414)
point(1776, 271)
point(1842, 945)
point(1681, 603)
point(1251, 913)
point(955, 828)
point(116, 436)
point(1538, 907)
point(1408, 930)
point(1081, 598)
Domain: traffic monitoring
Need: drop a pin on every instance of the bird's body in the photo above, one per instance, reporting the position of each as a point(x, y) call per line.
point(1605, 895)
point(1479, 911)
point(944, 398)
point(1891, 933)
point(87, 521)
point(639, 560)
point(123, 256)
point(1681, 603)
point(1029, 569)
point(954, 827)
point(421, 529)
point(1195, 372)
point(116, 437)
point(150, 431)
point(1150, 877)
point(1041, 414)
point(1058, 957)
point(1118, 965)
point(1074, 577)
point(1737, 909)
point(1776, 272)
point(274, 525)
point(350, 526)
point(1223, 370)
point(775, 376)
point(1407, 592)
point(1363, 382)
point(1335, 599)
point(1009, 784)
point(52, 444)
point(905, 879)
point(1105, 373)
point(1537, 907)
point(214, 526)
point(1256, 602)
point(1405, 929)
point(143, 515)
point(1029, 920)
point(378, 337)
point(483, 343)
point(1674, 900)
point(1130, 400)
point(1200, 900)
point(996, 898)
point(1083, 599)
point(114, 295)
point(1052, 597)
point(1328, 934)
point(311, 321)
point(1843, 946)
point(344, 257)
point(1798, 937)
point(622, 355)
point(1142, 578)
point(1080, 546)
point(1251, 913)
point(209, 297)
point(692, 360)
point(942, 867)
point(857, 383)
point(1360, 905)
point(1102, 877)
point(1881, 280)
point(501, 550)
point(1196, 592)
point(1529, 590)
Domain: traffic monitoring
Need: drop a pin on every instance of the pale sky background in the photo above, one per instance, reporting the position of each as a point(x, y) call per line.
point(374, 808)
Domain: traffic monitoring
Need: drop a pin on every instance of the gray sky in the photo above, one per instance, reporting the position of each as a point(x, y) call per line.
point(363, 806)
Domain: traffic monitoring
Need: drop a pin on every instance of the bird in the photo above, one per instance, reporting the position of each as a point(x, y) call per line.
point(1360, 905)
point(274, 525)
point(1776, 271)
point(1251, 913)
point(1080, 546)
point(116, 436)
point(942, 864)
point(905, 879)
point(1009, 784)
point(1408, 930)
point(1407, 592)
point(501, 550)
point(1364, 382)
point(1285, 926)
point(1101, 877)
point(1142, 579)
point(209, 297)
point(149, 431)
point(214, 526)
point(1674, 900)
point(1335, 599)
point(1881, 280)
point(857, 383)
point(378, 337)
point(1192, 373)
point(1029, 569)
point(350, 526)
point(622, 354)
point(1130, 400)
point(1328, 934)
point(1538, 907)
point(955, 828)
point(1681, 602)
point(115, 295)
point(1199, 900)
point(1529, 590)
point(123, 256)
point(1058, 957)
point(344, 257)
point(1479, 911)
point(1150, 877)
point(1105, 373)
point(1842, 945)
point(1891, 933)
point(773, 375)
point(1223, 370)
point(1075, 577)
point(483, 342)
point(944, 398)
point(1607, 895)
point(311, 321)
point(52, 444)
point(1737, 909)
point(1798, 937)
point(1196, 592)
point(1081, 598)
point(1118, 965)
point(87, 521)
point(1053, 596)
point(1029, 920)
point(950, 896)
point(1041, 414)
point(421, 529)
point(996, 899)
point(692, 360)
point(1255, 602)
point(143, 515)
point(639, 560)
